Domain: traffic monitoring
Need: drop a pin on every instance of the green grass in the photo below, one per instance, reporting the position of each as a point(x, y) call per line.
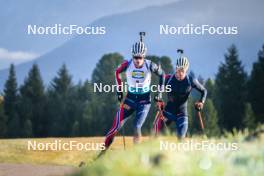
point(147, 158)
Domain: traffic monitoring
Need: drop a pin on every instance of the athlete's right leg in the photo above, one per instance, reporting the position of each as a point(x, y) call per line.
point(121, 116)
point(141, 115)
point(181, 126)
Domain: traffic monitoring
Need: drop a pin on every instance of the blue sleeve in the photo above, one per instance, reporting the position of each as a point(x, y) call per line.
point(198, 86)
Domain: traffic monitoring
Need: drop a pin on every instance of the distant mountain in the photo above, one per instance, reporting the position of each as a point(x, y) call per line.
point(205, 52)
point(16, 15)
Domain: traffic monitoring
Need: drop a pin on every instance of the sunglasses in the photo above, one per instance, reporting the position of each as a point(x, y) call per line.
point(138, 58)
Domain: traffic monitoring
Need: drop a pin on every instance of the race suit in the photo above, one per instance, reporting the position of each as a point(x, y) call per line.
point(138, 96)
point(176, 108)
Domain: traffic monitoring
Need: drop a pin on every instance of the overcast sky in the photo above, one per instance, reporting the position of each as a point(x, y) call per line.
point(17, 47)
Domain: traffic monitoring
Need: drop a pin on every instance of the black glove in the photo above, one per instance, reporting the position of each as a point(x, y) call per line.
point(119, 96)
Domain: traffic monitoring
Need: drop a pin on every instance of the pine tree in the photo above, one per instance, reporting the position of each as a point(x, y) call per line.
point(27, 128)
point(60, 100)
point(231, 91)
point(166, 64)
point(75, 129)
point(86, 122)
point(210, 113)
point(32, 104)
point(10, 104)
point(249, 119)
point(3, 119)
point(81, 99)
point(210, 119)
point(256, 87)
point(209, 85)
point(62, 83)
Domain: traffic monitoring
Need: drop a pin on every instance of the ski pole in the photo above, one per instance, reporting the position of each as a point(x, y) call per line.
point(200, 119)
point(155, 123)
point(123, 127)
point(124, 139)
point(159, 113)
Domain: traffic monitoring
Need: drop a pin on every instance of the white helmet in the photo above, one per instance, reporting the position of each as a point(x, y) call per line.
point(139, 49)
point(182, 63)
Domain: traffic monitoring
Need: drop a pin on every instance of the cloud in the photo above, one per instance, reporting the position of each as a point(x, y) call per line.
point(16, 55)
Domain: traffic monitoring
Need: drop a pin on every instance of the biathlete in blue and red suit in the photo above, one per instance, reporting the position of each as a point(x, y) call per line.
point(138, 73)
point(176, 108)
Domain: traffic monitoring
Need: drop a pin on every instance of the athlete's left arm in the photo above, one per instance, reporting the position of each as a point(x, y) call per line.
point(159, 72)
point(198, 86)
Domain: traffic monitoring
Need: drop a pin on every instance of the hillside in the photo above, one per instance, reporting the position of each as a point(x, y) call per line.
point(82, 52)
